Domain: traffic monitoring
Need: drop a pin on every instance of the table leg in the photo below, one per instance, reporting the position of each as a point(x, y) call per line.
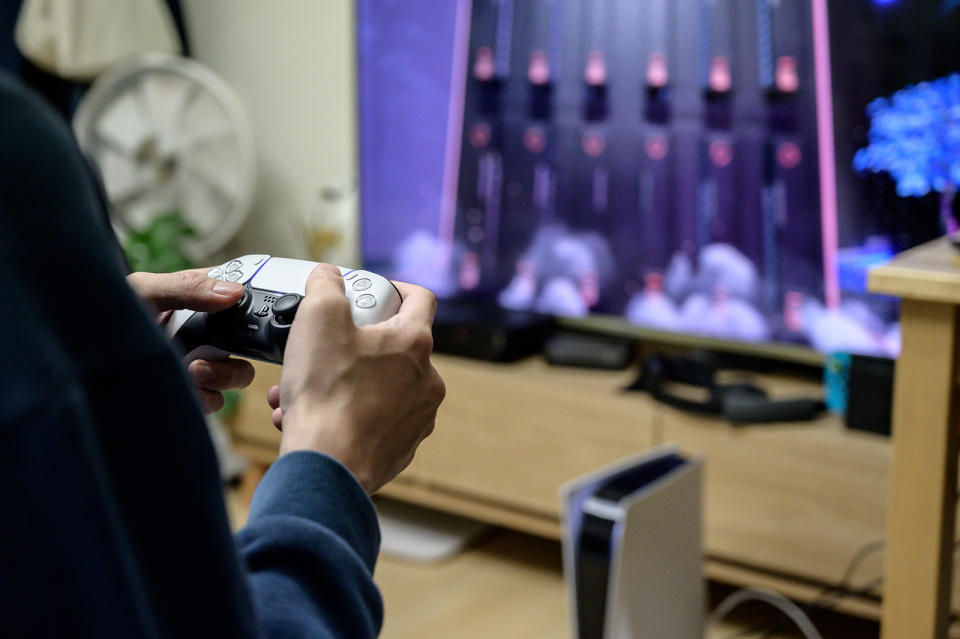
point(923, 482)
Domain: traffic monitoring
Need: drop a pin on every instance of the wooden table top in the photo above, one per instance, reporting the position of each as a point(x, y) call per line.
point(929, 272)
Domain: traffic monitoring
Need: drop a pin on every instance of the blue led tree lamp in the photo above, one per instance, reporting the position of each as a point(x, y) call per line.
point(915, 137)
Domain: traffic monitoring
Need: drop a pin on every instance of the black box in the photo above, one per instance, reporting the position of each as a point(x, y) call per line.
point(870, 394)
point(488, 333)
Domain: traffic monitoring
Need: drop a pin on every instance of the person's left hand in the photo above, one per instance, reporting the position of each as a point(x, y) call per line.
point(193, 290)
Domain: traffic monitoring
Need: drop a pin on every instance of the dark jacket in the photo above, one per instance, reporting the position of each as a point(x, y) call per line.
point(112, 520)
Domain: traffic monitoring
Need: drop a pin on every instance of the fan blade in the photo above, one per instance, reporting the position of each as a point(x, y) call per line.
point(207, 139)
point(139, 94)
point(107, 141)
point(190, 96)
point(123, 200)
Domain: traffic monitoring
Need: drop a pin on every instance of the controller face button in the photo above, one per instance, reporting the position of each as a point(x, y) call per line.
point(366, 301)
point(263, 311)
point(233, 276)
point(285, 308)
point(215, 273)
point(234, 265)
point(362, 284)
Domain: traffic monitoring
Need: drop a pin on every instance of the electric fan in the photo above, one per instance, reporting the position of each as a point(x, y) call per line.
point(169, 136)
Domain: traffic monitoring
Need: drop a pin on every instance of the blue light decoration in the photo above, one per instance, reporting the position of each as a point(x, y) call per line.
point(915, 137)
point(855, 262)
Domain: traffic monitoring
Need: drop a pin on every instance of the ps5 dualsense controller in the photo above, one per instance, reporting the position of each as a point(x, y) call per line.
point(258, 325)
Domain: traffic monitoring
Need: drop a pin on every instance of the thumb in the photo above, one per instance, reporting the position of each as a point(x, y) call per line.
point(325, 301)
point(324, 280)
point(322, 334)
point(190, 289)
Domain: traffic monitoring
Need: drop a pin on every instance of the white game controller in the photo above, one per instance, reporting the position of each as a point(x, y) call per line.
point(258, 325)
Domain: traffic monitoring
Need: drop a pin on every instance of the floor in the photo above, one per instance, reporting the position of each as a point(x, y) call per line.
point(510, 585)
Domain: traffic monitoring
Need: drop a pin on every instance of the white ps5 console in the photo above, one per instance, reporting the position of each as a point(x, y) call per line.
point(632, 553)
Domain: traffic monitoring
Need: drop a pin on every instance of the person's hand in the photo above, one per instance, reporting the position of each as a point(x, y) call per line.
point(365, 396)
point(193, 290)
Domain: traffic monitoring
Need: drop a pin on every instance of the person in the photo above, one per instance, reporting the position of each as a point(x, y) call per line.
point(114, 523)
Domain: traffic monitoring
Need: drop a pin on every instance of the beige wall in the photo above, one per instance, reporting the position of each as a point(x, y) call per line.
point(292, 63)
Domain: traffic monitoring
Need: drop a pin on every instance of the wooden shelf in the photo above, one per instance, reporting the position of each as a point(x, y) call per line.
point(783, 504)
point(929, 272)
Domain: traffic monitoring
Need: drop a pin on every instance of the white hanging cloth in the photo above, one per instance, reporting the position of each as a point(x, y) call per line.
point(78, 39)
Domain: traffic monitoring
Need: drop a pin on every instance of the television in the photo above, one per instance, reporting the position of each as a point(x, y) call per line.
point(711, 172)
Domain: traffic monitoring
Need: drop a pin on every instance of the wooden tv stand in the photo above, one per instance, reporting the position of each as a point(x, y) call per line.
point(786, 506)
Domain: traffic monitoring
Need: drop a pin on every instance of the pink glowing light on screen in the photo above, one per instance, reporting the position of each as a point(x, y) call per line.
point(789, 155)
point(652, 283)
point(538, 72)
point(469, 276)
point(595, 73)
point(720, 77)
point(787, 80)
point(656, 147)
point(721, 153)
point(451, 169)
point(593, 144)
point(484, 66)
point(534, 139)
point(793, 311)
point(658, 73)
point(825, 140)
point(479, 135)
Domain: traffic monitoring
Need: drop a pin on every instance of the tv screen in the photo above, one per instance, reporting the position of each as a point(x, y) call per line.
point(720, 168)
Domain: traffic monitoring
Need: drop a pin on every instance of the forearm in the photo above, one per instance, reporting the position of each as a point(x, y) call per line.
point(310, 545)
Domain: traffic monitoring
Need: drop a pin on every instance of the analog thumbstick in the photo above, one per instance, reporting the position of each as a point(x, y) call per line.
point(239, 309)
point(285, 308)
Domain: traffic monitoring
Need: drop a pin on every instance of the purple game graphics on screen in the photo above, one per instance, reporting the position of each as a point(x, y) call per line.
point(686, 166)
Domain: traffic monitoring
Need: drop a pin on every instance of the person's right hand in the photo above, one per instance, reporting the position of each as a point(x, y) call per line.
point(366, 396)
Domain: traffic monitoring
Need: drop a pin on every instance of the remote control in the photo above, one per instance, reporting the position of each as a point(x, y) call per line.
point(258, 325)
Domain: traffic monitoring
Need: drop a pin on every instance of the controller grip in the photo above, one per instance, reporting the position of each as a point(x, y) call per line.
point(174, 323)
point(208, 353)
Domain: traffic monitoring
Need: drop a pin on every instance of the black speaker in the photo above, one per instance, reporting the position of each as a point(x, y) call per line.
point(487, 333)
point(870, 394)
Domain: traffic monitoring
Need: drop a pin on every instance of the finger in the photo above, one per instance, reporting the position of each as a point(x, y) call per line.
point(419, 304)
point(210, 400)
point(277, 418)
point(190, 289)
point(273, 396)
point(325, 300)
point(223, 375)
point(324, 280)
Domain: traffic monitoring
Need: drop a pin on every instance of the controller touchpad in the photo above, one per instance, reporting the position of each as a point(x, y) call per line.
point(283, 275)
